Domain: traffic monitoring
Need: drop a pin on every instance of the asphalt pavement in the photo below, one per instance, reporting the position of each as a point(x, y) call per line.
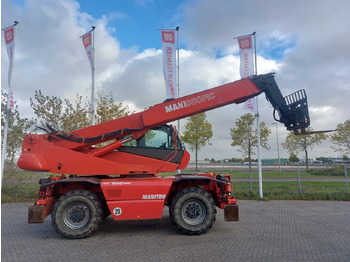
point(267, 231)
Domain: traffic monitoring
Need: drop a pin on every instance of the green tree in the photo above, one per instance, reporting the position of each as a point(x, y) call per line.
point(75, 116)
point(197, 133)
point(60, 114)
point(341, 139)
point(48, 109)
point(17, 128)
point(64, 115)
point(245, 136)
point(293, 158)
point(303, 143)
point(107, 109)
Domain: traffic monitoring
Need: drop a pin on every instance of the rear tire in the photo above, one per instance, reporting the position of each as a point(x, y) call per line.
point(77, 214)
point(193, 211)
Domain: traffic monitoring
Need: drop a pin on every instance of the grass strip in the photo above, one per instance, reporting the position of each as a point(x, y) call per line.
point(19, 192)
point(310, 190)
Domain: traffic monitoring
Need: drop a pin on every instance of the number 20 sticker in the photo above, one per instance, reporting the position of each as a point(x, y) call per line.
point(117, 211)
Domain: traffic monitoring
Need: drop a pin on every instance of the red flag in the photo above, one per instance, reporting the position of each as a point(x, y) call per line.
point(87, 42)
point(9, 41)
point(9, 34)
point(169, 62)
point(247, 64)
point(246, 53)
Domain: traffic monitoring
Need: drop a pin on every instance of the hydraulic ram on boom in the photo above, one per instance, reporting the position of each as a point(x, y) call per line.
point(119, 176)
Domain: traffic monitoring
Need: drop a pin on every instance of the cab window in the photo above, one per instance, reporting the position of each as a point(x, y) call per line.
point(160, 137)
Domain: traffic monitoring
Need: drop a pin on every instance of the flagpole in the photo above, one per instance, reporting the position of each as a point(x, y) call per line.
point(178, 78)
point(258, 126)
point(259, 151)
point(245, 42)
point(178, 72)
point(8, 107)
point(93, 78)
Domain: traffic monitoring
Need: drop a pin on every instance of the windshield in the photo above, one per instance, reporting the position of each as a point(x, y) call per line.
point(160, 137)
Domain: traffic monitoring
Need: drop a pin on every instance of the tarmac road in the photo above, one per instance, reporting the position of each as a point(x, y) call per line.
point(267, 231)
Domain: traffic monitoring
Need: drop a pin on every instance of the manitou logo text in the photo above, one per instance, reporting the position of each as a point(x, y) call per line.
point(190, 102)
point(155, 196)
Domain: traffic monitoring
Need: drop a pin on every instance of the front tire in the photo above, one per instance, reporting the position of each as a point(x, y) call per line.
point(193, 211)
point(77, 214)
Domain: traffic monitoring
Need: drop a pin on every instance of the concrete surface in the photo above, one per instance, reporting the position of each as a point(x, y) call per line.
point(267, 231)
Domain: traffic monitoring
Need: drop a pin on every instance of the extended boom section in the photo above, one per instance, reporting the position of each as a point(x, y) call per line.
point(76, 153)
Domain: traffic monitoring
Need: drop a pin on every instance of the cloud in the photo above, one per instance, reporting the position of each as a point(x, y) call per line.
point(305, 42)
point(312, 40)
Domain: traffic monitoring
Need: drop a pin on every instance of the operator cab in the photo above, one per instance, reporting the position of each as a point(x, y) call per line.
point(158, 143)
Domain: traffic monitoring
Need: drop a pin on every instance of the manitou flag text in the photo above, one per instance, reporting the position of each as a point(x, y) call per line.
point(169, 62)
point(245, 44)
point(246, 53)
point(9, 34)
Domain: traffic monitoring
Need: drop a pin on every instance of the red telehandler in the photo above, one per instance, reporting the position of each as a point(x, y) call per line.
point(120, 177)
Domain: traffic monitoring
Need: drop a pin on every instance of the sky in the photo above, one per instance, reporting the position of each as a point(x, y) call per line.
point(304, 42)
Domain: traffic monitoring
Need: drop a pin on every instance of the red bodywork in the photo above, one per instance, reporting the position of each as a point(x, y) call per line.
point(136, 198)
point(54, 153)
point(127, 182)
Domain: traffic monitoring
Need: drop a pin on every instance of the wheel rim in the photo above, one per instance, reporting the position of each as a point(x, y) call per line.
point(76, 215)
point(193, 212)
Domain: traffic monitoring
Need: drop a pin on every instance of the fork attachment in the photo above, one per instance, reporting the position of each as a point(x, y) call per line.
point(292, 110)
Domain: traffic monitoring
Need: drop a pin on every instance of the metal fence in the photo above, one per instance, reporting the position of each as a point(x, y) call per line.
point(297, 171)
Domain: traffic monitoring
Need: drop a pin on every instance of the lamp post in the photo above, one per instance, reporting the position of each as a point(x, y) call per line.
point(278, 148)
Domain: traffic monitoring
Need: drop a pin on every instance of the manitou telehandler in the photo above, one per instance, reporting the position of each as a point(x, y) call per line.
point(121, 177)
